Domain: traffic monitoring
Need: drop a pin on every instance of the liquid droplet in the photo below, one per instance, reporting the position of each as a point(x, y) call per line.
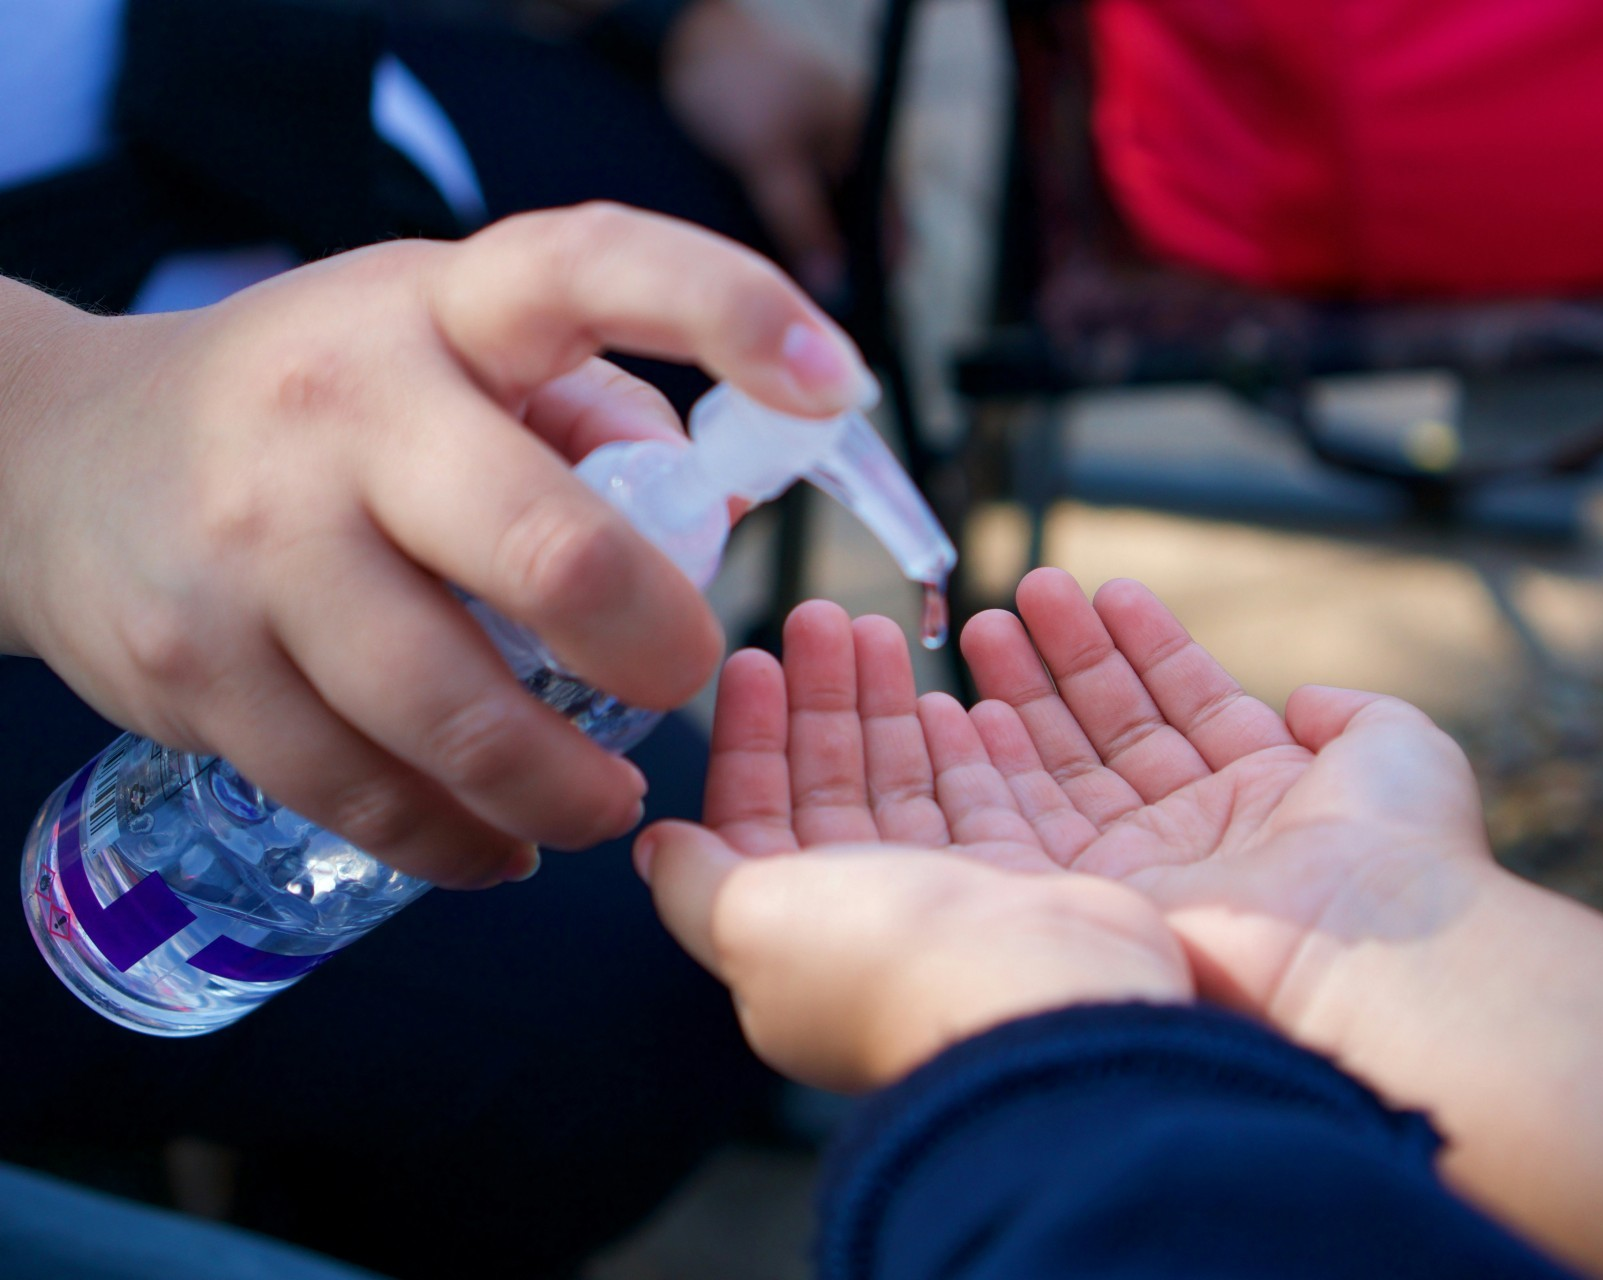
point(932, 630)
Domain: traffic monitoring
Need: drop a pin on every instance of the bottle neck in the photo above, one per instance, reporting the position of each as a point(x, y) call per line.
point(664, 492)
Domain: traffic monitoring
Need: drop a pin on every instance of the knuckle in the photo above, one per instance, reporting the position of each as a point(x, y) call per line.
point(1130, 735)
point(615, 815)
point(162, 642)
point(574, 566)
point(374, 813)
point(576, 238)
point(472, 747)
point(310, 380)
point(600, 223)
point(581, 818)
point(233, 519)
point(1079, 655)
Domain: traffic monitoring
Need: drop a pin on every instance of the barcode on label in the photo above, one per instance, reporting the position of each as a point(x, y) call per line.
point(102, 805)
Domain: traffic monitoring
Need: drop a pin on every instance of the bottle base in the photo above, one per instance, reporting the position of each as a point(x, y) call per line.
point(144, 999)
point(84, 981)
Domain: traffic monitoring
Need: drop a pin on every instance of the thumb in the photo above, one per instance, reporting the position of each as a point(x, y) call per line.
point(1318, 714)
point(686, 865)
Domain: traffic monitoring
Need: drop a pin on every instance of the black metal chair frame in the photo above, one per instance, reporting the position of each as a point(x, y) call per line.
point(1018, 367)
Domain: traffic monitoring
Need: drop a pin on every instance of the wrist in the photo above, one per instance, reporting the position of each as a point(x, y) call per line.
point(1485, 1015)
point(1394, 927)
point(38, 336)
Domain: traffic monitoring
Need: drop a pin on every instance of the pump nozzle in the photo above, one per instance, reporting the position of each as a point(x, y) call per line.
point(756, 452)
point(863, 475)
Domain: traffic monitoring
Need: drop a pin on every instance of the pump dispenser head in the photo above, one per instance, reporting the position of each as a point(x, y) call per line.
point(753, 452)
point(678, 497)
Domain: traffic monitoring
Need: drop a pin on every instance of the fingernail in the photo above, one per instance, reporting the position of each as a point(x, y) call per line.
point(522, 866)
point(819, 363)
point(644, 851)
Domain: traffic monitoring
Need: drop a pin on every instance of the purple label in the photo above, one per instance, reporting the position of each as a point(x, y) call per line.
point(148, 914)
point(229, 959)
point(129, 928)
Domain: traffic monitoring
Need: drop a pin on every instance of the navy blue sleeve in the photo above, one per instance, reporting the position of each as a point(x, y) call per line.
point(1139, 1142)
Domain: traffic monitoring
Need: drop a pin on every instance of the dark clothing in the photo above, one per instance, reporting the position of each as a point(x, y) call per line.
point(1144, 1142)
point(51, 1230)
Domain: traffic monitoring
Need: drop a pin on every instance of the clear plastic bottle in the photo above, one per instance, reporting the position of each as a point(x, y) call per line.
point(172, 896)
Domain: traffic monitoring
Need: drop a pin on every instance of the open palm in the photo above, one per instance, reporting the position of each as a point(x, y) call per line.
point(1110, 743)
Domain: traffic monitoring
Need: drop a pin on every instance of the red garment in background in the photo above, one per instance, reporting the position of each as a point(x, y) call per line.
point(1370, 147)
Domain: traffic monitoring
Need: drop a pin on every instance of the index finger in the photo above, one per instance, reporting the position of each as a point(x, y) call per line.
point(531, 297)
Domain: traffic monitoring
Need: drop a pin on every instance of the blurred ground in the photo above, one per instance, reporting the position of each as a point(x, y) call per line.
point(1497, 635)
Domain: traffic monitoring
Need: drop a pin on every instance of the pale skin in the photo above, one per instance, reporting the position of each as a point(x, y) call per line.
point(1326, 871)
point(232, 529)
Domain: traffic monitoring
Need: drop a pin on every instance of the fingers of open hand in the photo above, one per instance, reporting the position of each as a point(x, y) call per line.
point(396, 656)
point(1007, 668)
point(980, 807)
point(1319, 714)
point(532, 297)
point(1102, 690)
point(828, 770)
point(1062, 830)
point(1382, 756)
point(900, 777)
point(686, 866)
point(748, 775)
point(836, 728)
point(487, 506)
point(802, 952)
point(1192, 691)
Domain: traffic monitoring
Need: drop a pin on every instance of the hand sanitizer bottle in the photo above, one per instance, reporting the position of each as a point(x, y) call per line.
point(172, 896)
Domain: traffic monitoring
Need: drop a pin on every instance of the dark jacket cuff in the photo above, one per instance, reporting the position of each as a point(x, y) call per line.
point(996, 1114)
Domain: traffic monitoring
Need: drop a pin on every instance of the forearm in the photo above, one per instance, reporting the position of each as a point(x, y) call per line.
point(1494, 1025)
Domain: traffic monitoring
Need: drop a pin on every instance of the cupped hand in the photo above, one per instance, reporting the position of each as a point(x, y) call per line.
point(821, 890)
point(1329, 872)
point(1110, 744)
point(232, 529)
point(1277, 848)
